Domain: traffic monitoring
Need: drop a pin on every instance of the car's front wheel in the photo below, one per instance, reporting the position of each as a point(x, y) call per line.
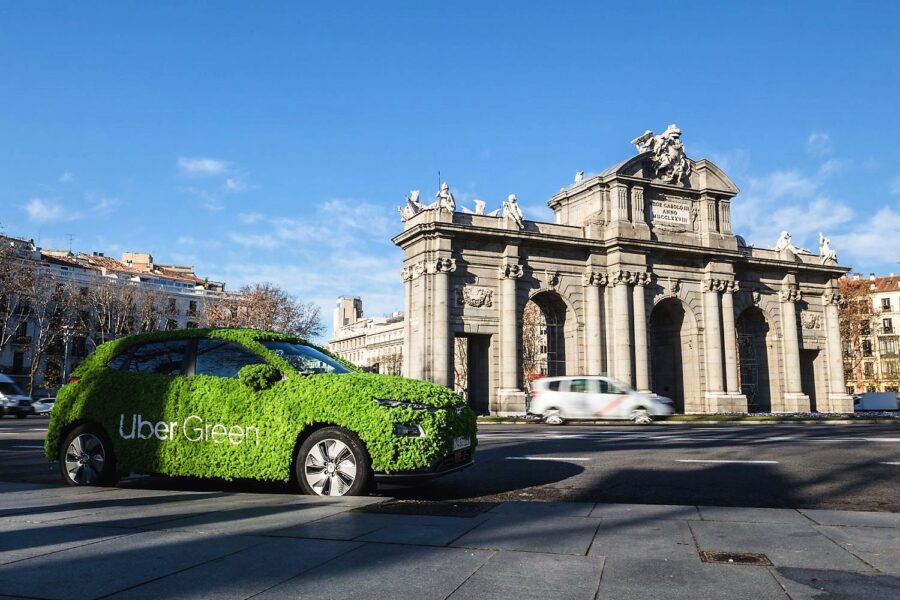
point(641, 416)
point(553, 416)
point(86, 457)
point(333, 462)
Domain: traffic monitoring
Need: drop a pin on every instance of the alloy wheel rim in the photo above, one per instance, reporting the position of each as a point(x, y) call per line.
point(85, 459)
point(641, 416)
point(330, 468)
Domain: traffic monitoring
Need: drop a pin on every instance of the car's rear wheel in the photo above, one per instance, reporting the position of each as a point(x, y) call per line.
point(21, 415)
point(641, 416)
point(86, 458)
point(333, 462)
point(552, 416)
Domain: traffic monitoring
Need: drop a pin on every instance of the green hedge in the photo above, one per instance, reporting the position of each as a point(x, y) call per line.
point(276, 416)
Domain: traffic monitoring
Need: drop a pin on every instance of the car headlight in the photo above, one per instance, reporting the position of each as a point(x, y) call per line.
point(407, 430)
point(404, 404)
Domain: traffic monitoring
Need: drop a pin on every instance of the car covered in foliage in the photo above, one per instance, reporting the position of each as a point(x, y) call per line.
point(241, 403)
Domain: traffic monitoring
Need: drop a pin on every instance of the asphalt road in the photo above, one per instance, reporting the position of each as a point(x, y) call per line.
point(846, 467)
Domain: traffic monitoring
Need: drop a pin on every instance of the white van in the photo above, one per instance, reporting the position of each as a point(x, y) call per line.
point(13, 399)
point(558, 399)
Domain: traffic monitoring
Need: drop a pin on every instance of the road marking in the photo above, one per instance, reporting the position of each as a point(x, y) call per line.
point(891, 463)
point(882, 439)
point(749, 462)
point(30, 447)
point(545, 458)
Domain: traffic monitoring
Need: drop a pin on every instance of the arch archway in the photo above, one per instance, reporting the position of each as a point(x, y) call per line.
point(548, 335)
point(756, 343)
point(673, 352)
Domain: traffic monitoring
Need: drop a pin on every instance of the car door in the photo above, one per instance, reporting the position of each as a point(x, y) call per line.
point(578, 398)
point(138, 398)
point(612, 400)
point(223, 419)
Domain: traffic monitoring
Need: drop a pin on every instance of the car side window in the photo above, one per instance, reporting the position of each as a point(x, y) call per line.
point(553, 386)
point(165, 358)
point(578, 386)
point(223, 359)
point(603, 386)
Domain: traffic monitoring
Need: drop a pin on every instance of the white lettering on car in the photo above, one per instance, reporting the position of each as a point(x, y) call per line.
point(194, 429)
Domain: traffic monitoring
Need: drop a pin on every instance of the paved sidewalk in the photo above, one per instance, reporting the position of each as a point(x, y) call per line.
point(130, 543)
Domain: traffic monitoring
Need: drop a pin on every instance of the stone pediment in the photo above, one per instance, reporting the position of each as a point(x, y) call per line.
point(705, 175)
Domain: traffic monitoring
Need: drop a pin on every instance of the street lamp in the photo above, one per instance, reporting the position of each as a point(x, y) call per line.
point(67, 331)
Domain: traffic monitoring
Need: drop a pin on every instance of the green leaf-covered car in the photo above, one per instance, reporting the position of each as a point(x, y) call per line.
point(241, 403)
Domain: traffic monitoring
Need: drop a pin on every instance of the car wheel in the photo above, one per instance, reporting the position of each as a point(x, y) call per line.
point(21, 415)
point(333, 462)
point(552, 416)
point(641, 417)
point(86, 458)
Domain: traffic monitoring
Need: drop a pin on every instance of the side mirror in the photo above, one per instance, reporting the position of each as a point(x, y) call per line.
point(259, 377)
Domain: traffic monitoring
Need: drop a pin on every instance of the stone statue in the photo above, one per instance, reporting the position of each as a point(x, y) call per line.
point(479, 208)
point(579, 176)
point(784, 243)
point(826, 252)
point(413, 206)
point(668, 153)
point(445, 199)
point(512, 211)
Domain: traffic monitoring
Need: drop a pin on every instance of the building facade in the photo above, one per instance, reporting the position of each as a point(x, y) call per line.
point(106, 304)
point(372, 343)
point(870, 324)
point(640, 277)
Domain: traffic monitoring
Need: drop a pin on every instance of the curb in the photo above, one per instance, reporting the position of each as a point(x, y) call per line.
point(876, 421)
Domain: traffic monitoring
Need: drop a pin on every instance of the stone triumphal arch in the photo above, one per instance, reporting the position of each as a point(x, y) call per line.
point(642, 278)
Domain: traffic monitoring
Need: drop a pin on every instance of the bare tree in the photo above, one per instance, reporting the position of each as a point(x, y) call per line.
point(858, 328)
point(461, 366)
point(150, 306)
point(15, 276)
point(266, 306)
point(534, 340)
point(393, 363)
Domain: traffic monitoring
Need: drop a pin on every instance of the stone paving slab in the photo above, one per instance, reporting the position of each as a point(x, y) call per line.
point(263, 518)
point(527, 510)
point(359, 525)
point(19, 541)
point(639, 512)
point(752, 515)
point(421, 534)
point(556, 535)
point(786, 545)
point(878, 546)
point(106, 567)
point(810, 584)
point(245, 573)
point(629, 578)
point(533, 576)
point(661, 539)
point(385, 571)
point(853, 519)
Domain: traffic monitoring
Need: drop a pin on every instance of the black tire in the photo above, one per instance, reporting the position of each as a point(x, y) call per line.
point(96, 463)
point(21, 415)
point(554, 417)
point(333, 462)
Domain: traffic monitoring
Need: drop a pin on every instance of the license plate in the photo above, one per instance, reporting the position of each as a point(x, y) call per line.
point(461, 443)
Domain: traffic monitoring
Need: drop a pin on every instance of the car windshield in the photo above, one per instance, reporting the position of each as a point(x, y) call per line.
point(8, 388)
point(306, 360)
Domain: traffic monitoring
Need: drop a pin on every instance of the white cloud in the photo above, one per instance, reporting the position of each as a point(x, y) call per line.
point(895, 186)
point(44, 210)
point(261, 241)
point(67, 177)
point(250, 218)
point(869, 243)
point(202, 166)
point(185, 240)
point(234, 185)
point(819, 143)
point(102, 205)
point(832, 166)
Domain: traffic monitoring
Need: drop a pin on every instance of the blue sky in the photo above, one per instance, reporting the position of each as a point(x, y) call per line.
point(271, 141)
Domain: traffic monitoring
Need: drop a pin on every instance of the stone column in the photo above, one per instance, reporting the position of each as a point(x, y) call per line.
point(838, 398)
point(442, 341)
point(406, 276)
point(730, 336)
point(512, 398)
point(641, 358)
point(622, 327)
point(713, 340)
point(794, 398)
point(592, 282)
